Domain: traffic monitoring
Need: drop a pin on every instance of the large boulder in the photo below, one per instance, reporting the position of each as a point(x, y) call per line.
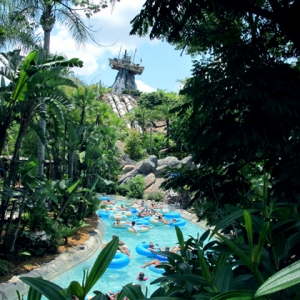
point(187, 162)
point(160, 171)
point(149, 180)
point(153, 158)
point(127, 176)
point(128, 168)
point(145, 167)
point(149, 189)
point(170, 161)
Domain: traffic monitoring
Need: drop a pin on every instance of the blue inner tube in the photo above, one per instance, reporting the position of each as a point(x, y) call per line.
point(172, 214)
point(103, 198)
point(142, 249)
point(119, 261)
point(179, 222)
point(161, 258)
point(156, 270)
point(104, 214)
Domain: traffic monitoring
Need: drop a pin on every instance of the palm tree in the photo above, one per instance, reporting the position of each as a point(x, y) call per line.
point(45, 13)
point(30, 79)
point(15, 30)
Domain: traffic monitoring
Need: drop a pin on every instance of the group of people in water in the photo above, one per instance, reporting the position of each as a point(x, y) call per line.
point(145, 211)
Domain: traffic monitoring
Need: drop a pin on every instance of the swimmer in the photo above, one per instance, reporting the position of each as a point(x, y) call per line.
point(154, 262)
point(161, 219)
point(152, 248)
point(122, 247)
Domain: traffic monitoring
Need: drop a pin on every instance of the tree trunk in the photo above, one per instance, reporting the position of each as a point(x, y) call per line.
point(47, 22)
point(41, 146)
point(21, 208)
point(11, 177)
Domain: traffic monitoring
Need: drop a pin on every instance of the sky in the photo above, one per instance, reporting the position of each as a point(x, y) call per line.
point(164, 65)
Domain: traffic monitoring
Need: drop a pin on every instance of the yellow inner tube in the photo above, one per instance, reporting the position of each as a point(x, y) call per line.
point(120, 225)
point(143, 229)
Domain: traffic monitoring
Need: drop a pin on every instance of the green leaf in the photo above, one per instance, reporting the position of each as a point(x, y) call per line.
point(204, 266)
point(101, 264)
point(233, 216)
point(21, 87)
point(262, 238)
point(236, 250)
point(223, 278)
point(47, 288)
point(179, 237)
point(248, 224)
point(234, 295)
point(132, 292)
point(73, 186)
point(76, 289)
point(33, 294)
point(283, 279)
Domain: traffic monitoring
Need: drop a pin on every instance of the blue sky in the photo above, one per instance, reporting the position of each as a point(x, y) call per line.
point(163, 65)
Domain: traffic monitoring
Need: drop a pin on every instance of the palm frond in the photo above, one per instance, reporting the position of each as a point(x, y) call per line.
point(38, 130)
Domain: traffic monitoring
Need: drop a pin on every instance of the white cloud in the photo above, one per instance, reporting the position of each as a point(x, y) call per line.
point(113, 32)
point(144, 87)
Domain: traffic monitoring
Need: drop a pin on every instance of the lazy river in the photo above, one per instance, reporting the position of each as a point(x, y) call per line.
point(114, 279)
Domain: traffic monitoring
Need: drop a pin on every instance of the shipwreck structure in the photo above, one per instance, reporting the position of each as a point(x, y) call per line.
point(127, 69)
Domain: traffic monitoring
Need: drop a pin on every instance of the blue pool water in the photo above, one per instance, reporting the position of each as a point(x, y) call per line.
point(114, 279)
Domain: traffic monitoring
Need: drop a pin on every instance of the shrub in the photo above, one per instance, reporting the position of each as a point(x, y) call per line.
point(134, 188)
point(156, 196)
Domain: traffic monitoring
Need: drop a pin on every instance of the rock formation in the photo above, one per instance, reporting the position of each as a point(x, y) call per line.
point(153, 170)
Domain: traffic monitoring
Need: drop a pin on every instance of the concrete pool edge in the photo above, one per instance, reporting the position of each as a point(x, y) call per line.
point(54, 268)
point(70, 259)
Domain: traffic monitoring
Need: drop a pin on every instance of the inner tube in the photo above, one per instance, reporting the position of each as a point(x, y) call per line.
point(161, 258)
point(135, 206)
point(121, 225)
point(142, 249)
point(156, 222)
point(128, 214)
point(103, 198)
point(141, 221)
point(179, 222)
point(119, 261)
point(139, 230)
point(156, 270)
point(117, 216)
point(172, 214)
point(104, 214)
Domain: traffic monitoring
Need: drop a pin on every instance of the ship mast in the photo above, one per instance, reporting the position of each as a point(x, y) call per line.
point(120, 52)
point(134, 55)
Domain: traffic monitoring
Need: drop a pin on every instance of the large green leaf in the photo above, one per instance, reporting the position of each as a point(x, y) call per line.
point(21, 87)
point(223, 278)
point(236, 250)
point(227, 220)
point(248, 224)
point(283, 279)
point(76, 289)
point(234, 295)
point(132, 292)
point(259, 248)
point(47, 288)
point(204, 266)
point(33, 294)
point(101, 264)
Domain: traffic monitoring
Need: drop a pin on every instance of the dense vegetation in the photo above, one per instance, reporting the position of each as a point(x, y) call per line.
point(238, 116)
